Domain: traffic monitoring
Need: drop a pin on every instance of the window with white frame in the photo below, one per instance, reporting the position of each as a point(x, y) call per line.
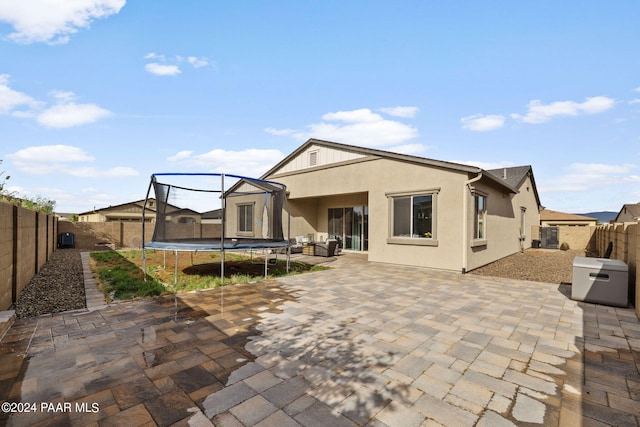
point(245, 218)
point(523, 222)
point(413, 216)
point(480, 214)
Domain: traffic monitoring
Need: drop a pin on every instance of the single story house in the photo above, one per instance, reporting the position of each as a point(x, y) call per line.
point(629, 213)
point(410, 210)
point(132, 212)
point(550, 218)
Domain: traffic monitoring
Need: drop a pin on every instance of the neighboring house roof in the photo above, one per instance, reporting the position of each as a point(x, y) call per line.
point(549, 215)
point(183, 211)
point(631, 209)
point(214, 214)
point(139, 203)
point(515, 175)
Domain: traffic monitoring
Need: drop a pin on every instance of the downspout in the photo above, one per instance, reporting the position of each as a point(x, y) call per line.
point(465, 220)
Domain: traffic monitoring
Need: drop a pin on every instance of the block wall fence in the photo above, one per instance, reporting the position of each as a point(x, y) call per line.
point(626, 247)
point(27, 240)
point(124, 234)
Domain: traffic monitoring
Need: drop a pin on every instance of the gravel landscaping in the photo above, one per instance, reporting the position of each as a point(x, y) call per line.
point(537, 265)
point(58, 286)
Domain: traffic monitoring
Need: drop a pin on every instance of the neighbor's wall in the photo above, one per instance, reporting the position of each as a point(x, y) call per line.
point(626, 247)
point(577, 237)
point(125, 234)
point(27, 239)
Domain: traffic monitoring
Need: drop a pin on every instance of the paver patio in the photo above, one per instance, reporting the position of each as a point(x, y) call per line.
point(360, 344)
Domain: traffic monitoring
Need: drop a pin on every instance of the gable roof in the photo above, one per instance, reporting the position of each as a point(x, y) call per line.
point(549, 215)
point(372, 152)
point(632, 208)
point(515, 175)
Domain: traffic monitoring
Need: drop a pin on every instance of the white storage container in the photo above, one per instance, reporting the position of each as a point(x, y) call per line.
point(600, 280)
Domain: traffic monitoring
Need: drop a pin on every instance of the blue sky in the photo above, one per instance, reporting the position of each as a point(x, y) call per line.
point(97, 95)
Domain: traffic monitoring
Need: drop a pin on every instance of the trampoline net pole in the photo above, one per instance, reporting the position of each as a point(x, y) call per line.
point(222, 236)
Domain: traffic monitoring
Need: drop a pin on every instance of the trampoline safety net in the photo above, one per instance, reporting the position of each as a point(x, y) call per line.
point(215, 212)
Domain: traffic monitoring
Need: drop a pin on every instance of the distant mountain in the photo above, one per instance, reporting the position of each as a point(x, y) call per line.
point(603, 216)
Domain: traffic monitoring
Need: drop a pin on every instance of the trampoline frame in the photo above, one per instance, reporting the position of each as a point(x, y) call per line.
point(214, 245)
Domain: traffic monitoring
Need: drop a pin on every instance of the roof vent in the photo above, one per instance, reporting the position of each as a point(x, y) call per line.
point(504, 173)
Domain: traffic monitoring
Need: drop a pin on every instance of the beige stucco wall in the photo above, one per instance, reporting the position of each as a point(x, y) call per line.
point(232, 219)
point(503, 222)
point(370, 181)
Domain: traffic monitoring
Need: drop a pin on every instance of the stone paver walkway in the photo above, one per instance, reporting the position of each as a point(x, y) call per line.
point(360, 344)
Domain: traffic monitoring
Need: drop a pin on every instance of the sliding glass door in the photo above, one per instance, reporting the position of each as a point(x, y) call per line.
point(350, 226)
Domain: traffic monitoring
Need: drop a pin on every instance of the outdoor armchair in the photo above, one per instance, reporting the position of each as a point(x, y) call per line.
point(326, 249)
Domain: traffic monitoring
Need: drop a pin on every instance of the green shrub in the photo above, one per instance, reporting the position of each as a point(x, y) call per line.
point(564, 246)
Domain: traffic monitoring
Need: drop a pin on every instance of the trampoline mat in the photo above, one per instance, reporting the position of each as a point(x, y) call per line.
point(216, 244)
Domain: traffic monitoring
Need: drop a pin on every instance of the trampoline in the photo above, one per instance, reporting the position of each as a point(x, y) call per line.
point(249, 213)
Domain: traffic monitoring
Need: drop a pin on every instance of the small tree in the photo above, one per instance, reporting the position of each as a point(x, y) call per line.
point(3, 181)
point(38, 203)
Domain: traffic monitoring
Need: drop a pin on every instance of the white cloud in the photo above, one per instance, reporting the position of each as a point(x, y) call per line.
point(11, 100)
point(63, 96)
point(61, 159)
point(181, 155)
point(406, 112)
point(482, 123)
point(280, 132)
point(589, 176)
point(153, 55)
point(50, 153)
point(637, 89)
point(65, 113)
point(164, 66)
point(251, 162)
point(116, 172)
point(70, 115)
point(635, 101)
point(53, 22)
point(540, 113)
point(197, 62)
point(162, 70)
point(359, 127)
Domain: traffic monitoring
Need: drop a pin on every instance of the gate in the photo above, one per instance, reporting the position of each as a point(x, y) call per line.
point(549, 237)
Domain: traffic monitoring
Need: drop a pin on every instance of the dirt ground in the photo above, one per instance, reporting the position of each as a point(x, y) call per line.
point(538, 265)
